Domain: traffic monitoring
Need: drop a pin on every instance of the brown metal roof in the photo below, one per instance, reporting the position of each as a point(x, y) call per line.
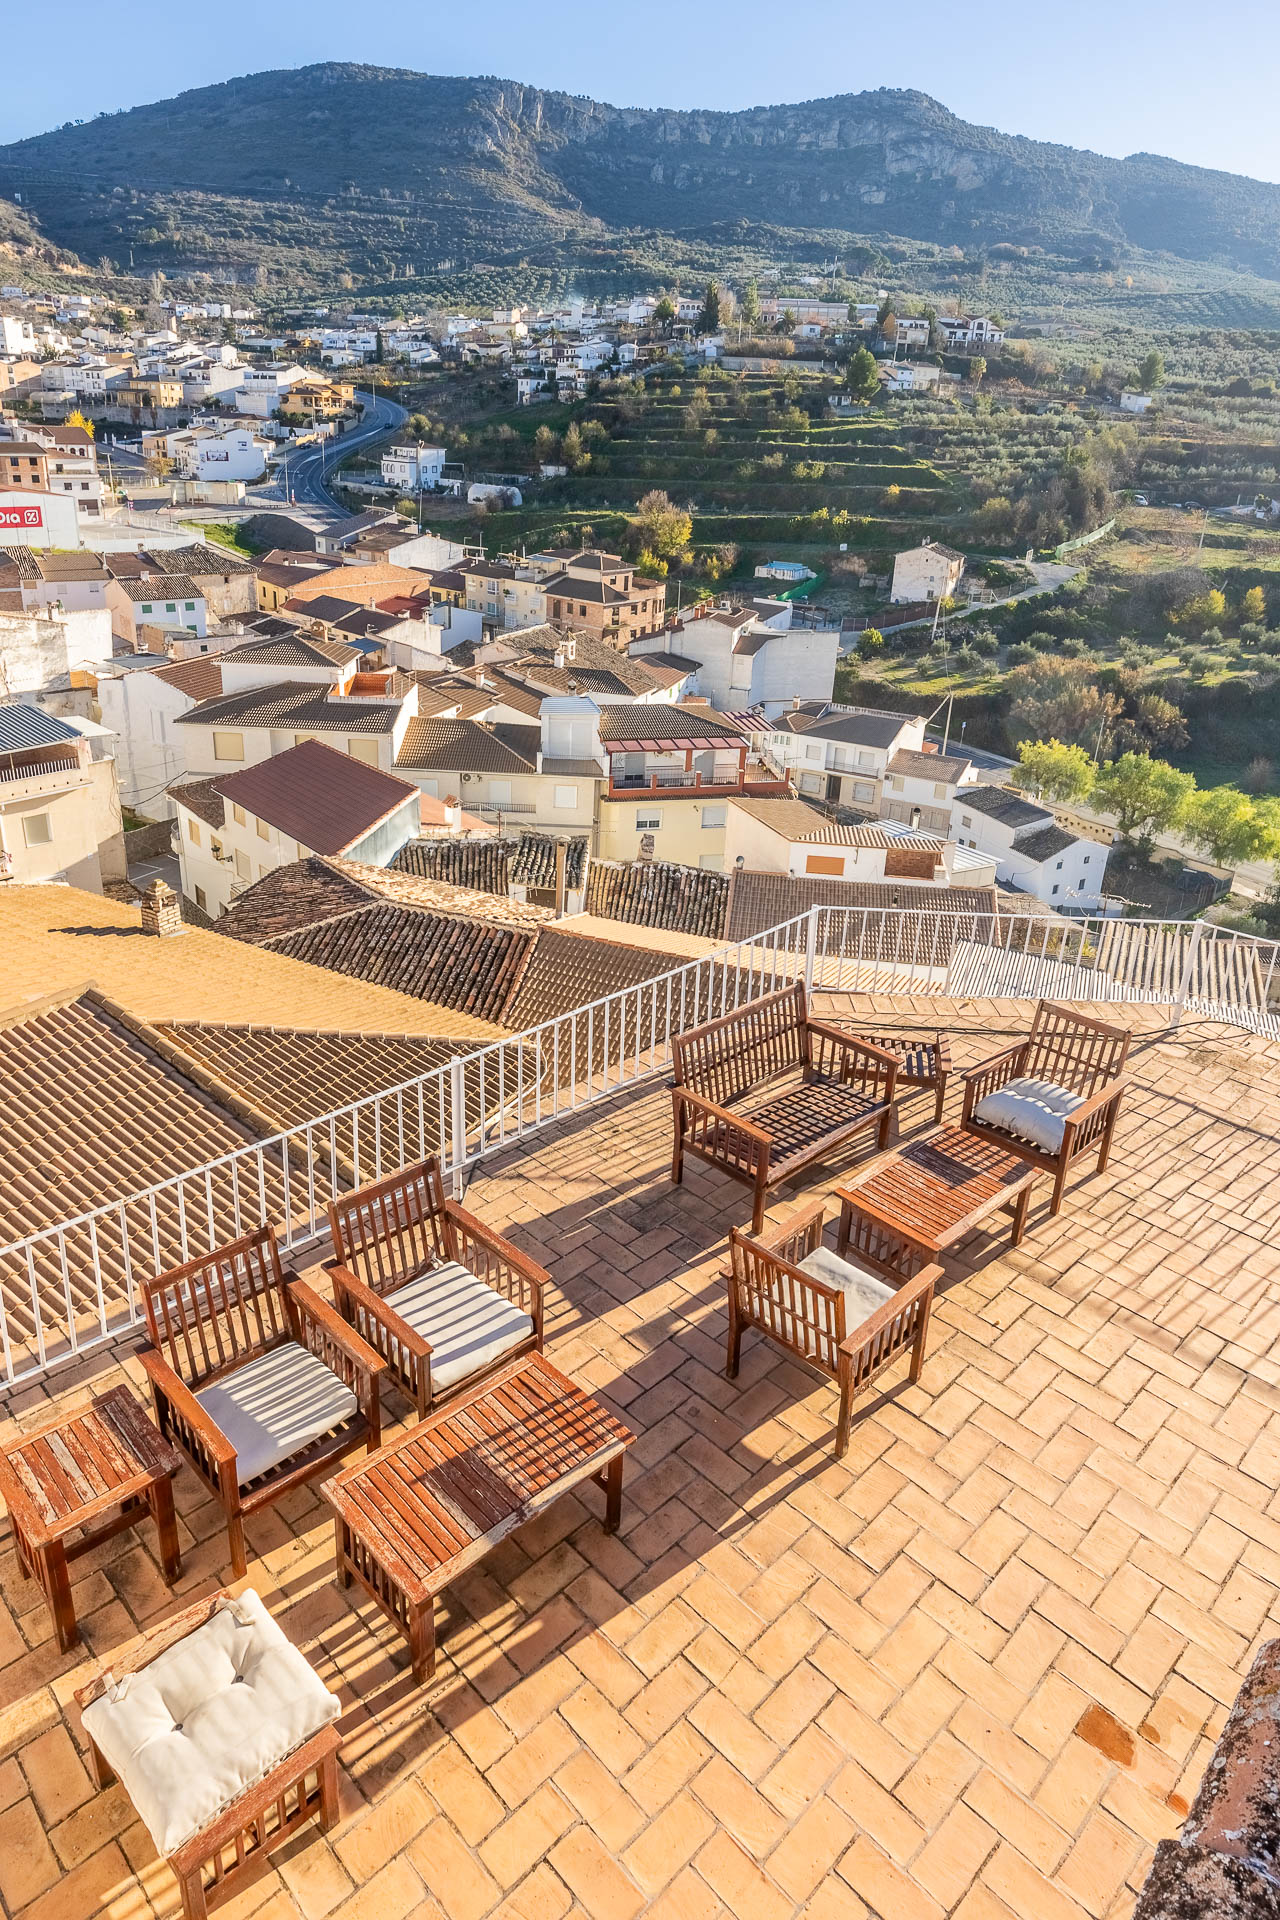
point(321, 798)
point(641, 722)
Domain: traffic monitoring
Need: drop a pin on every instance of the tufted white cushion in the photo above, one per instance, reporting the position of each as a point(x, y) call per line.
point(275, 1406)
point(1031, 1110)
point(468, 1323)
point(207, 1719)
point(863, 1292)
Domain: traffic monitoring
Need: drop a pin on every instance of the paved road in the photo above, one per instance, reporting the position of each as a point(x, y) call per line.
point(302, 477)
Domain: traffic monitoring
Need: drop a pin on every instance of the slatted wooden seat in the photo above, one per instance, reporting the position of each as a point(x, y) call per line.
point(848, 1322)
point(1082, 1057)
point(439, 1295)
point(255, 1379)
point(731, 1108)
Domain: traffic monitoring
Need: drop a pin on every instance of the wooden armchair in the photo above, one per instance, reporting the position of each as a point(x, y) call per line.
point(1053, 1097)
point(849, 1321)
point(256, 1380)
point(441, 1297)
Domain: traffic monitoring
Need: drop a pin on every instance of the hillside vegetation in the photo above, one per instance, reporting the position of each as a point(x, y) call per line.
point(387, 172)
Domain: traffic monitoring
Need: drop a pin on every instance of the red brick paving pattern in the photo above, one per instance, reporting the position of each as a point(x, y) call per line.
point(973, 1670)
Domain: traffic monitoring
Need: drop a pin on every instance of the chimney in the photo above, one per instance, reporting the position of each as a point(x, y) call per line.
point(559, 656)
point(161, 912)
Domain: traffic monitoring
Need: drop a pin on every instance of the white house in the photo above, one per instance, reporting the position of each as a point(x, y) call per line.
point(1032, 852)
point(919, 786)
point(924, 573)
point(32, 518)
point(414, 469)
point(264, 389)
point(1136, 402)
point(790, 836)
point(840, 754)
point(750, 656)
point(141, 701)
point(239, 827)
point(208, 453)
point(969, 332)
point(910, 376)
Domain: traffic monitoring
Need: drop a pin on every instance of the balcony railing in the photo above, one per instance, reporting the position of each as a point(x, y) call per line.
point(42, 770)
point(761, 783)
point(74, 1284)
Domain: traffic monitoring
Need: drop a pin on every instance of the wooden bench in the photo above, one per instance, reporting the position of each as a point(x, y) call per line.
point(731, 1109)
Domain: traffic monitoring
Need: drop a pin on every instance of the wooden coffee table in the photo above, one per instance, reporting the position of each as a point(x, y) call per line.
point(411, 1517)
point(931, 1193)
point(62, 1477)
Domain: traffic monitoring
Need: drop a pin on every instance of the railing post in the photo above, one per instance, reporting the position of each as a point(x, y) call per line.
point(1189, 967)
point(810, 952)
point(458, 1120)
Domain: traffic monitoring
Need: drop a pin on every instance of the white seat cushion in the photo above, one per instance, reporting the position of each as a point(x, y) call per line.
point(207, 1719)
point(275, 1406)
point(863, 1292)
point(1031, 1110)
point(468, 1323)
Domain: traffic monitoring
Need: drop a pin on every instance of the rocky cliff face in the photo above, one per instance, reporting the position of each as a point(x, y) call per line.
point(471, 161)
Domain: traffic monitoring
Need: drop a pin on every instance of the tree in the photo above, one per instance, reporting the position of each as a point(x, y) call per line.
point(750, 304)
point(661, 527)
point(870, 643)
point(787, 324)
point(1058, 699)
point(977, 369)
point(709, 318)
point(380, 348)
point(1147, 796)
point(863, 376)
point(544, 445)
point(1229, 827)
point(1057, 771)
point(665, 312)
point(1208, 610)
point(572, 451)
point(1254, 605)
point(1151, 372)
point(77, 419)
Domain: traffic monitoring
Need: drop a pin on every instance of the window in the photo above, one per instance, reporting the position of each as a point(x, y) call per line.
point(365, 751)
point(264, 831)
point(228, 746)
point(939, 790)
point(648, 819)
point(832, 863)
point(193, 832)
point(895, 782)
point(190, 605)
point(965, 820)
point(147, 607)
point(202, 900)
point(1085, 862)
point(171, 606)
point(865, 759)
point(1055, 886)
point(238, 814)
point(714, 816)
point(566, 798)
point(863, 790)
point(36, 829)
point(243, 868)
point(1058, 867)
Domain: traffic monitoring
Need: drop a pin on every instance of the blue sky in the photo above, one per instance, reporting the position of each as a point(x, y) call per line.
point(1163, 76)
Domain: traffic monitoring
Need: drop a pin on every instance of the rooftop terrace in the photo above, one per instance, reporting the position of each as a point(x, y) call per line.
point(974, 1669)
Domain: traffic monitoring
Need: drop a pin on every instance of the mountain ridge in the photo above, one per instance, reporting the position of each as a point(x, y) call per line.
point(413, 167)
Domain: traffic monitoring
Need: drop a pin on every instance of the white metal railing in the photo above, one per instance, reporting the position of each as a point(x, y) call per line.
point(74, 1283)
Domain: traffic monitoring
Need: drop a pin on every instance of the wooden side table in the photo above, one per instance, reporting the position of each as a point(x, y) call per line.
point(60, 1479)
point(924, 1060)
point(411, 1517)
point(929, 1195)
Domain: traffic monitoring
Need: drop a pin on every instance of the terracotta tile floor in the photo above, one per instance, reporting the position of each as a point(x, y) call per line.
point(975, 1669)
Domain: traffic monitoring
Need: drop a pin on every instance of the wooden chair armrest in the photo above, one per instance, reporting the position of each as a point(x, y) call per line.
point(1095, 1102)
point(854, 1043)
point(992, 1073)
point(496, 1262)
point(337, 1341)
point(171, 1387)
point(736, 1120)
point(346, 1283)
point(918, 1288)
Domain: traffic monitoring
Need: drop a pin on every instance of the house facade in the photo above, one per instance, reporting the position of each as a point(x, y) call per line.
point(925, 573)
point(1031, 851)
